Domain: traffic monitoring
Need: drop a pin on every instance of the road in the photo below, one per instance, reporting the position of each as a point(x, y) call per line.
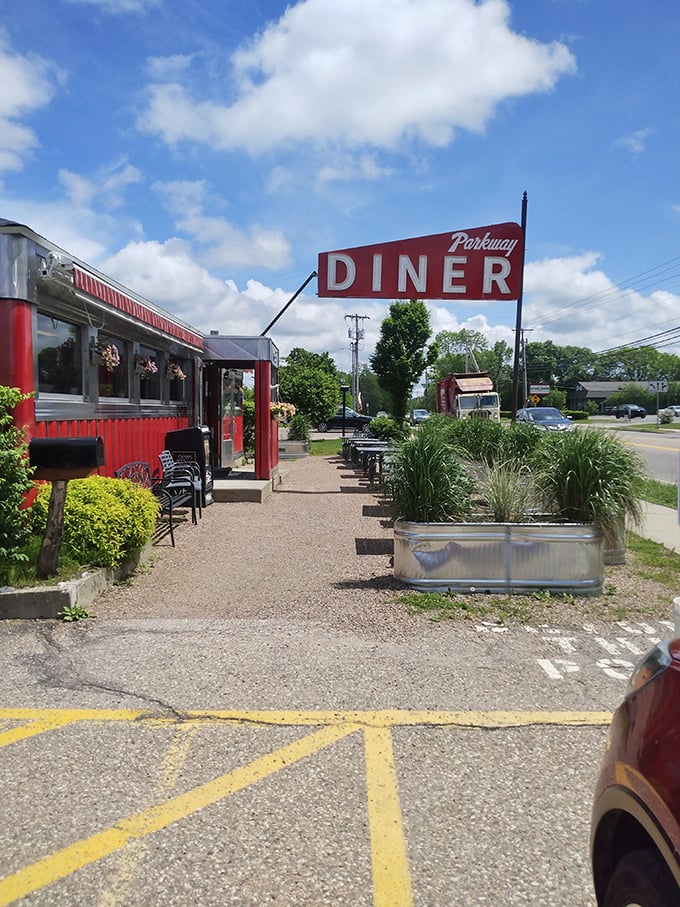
point(661, 451)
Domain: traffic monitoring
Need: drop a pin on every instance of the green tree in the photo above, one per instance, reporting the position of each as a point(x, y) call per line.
point(555, 398)
point(455, 348)
point(640, 364)
point(576, 363)
point(373, 397)
point(542, 360)
point(401, 354)
point(310, 382)
point(299, 358)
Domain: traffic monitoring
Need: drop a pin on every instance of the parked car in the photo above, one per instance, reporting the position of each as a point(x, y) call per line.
point(381, 414)
point(547, 418)
point(418, 416)
point(630, 411)
point(635, 827)
point(674, 409)
point(353, 419)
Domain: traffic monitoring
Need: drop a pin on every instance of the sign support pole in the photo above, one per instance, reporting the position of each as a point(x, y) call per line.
point(518, 321)
point(290, 302)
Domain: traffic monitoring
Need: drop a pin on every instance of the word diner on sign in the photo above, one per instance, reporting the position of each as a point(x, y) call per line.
point(478, 263)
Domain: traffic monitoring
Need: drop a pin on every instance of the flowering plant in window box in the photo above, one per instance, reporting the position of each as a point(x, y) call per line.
point(106, 354)
point(145, 367)
point(282, 412)
point(174, 370)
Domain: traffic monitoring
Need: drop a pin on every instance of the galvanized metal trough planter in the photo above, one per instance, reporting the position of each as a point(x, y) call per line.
point(499, 557)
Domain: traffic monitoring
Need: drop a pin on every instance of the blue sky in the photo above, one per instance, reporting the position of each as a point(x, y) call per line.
point(203, 152)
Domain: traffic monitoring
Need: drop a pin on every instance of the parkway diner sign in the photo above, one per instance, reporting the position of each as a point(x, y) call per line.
point(478, 263)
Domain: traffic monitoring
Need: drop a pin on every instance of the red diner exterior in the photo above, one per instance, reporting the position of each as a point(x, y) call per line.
point(99, 359)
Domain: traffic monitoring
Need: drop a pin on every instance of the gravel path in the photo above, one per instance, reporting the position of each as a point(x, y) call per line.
point(295, 556)
point(319, 549)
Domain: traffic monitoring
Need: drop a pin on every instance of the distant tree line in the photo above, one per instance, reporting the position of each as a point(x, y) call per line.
point(405, 355)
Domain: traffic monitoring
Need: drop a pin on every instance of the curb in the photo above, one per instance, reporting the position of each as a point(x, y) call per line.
point(46, 602)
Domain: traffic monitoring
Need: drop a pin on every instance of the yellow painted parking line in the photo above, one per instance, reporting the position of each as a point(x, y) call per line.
point(89, 850)
point(651, 446)
point(367, 718)
point(32, 728)
point(391, 876)
point(389, 860)
point(121, 879)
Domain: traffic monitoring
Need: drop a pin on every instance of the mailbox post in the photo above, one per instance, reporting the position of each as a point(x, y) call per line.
point(57, 460)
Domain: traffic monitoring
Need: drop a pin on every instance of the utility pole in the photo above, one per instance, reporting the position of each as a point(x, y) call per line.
point(518, 319)
point(525, 370)
point(523, 360)
point(356, 335)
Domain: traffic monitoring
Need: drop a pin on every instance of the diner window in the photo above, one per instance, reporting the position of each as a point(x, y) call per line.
point(59, 350)
point(177, 371)
point(146, 371)
point(110, 355)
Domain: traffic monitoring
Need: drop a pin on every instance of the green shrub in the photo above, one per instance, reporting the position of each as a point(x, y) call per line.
point(590, 476)
point(386, 428)
point(517, 443)
point(299, 427)
point(249, 428)
point(509, 491)
point(576, 415)
point(106, 520)
point(665, 416)
point(15, 482)
point(426, 483)
point(479, 440)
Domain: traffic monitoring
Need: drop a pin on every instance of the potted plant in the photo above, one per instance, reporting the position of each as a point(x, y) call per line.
point(296, 441)
point(590, 476)
point(145, 367)
point(515, 542)
point(282, 412)
point(106, 354)
point(174, 371)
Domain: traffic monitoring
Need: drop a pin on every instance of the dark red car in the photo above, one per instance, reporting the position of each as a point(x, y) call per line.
point(635, 832)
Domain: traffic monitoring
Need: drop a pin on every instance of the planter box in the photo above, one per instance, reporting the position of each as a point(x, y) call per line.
point(499, 557)
point(291, 450)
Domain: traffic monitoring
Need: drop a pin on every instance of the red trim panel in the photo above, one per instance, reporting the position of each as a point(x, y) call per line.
point(125, 440)
point(138, 310)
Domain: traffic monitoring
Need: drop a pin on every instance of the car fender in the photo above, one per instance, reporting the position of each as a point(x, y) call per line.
point(632, 796)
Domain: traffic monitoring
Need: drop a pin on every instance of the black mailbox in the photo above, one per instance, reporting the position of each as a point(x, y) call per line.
point(61, 459)
point(192, 445)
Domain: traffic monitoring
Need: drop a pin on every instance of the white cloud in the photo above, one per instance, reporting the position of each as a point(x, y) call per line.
point(636, 142)
point(348, 167)
point(356, 74)
point(107, 186)
point(168, 67)
point(27, 85)
point(221, 243)
point(573, 302)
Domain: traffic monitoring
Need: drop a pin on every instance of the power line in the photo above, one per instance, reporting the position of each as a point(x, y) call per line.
point(669, 269)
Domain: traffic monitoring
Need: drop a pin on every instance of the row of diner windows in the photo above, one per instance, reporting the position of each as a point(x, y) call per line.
point(60, 347)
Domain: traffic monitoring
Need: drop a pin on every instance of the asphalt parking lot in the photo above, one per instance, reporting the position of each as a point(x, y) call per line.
point(189, 768)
